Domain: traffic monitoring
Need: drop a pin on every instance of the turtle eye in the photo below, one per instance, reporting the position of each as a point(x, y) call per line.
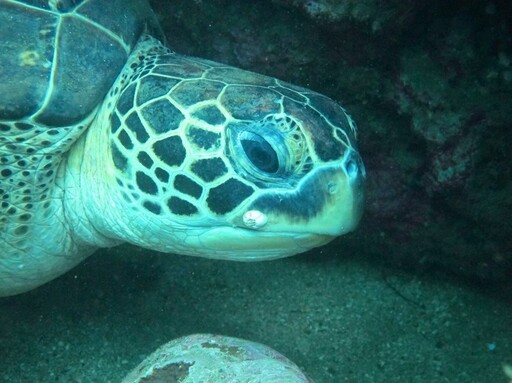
point(260, 152)
point(266, 152)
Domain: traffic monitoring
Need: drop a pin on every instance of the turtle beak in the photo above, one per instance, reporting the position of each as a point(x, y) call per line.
point(328, 201)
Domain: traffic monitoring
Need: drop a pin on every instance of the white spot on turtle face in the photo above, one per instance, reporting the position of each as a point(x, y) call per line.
point(254, 219)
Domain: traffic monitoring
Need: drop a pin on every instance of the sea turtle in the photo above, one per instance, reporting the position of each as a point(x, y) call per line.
point(107, 136)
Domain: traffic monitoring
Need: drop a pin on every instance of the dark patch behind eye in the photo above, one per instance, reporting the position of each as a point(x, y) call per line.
point(162, 116)
point(152, 207)
point(23, 126)
point(209, 169)
point(250, 103)
point(210, 114)
point(181, 207)
point(203, 138)
point(135, 125)
point(125, 139)
point(145, 159)
point(152, 87)
point(227, 196)
point(170, 150)
point(115, 123)
point(125, 102)
point(187, 186)
point(162, 174)
point(146, 184)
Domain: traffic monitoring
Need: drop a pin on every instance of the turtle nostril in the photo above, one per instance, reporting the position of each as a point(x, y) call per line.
point(332, 187)
point(351, 168)
point(353, 165)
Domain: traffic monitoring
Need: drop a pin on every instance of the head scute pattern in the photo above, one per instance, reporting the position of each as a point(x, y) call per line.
point(187, 142)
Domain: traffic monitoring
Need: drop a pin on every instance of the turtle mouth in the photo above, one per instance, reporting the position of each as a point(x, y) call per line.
point(239, 244)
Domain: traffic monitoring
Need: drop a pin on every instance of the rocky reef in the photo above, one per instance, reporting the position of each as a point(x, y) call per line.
point(430, 87)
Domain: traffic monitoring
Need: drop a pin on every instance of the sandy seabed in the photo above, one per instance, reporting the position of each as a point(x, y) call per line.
point(339, 317)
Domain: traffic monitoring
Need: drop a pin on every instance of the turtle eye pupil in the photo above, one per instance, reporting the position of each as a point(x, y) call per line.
point(261, 154)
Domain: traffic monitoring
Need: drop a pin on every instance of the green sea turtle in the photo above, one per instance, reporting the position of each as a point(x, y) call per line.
point(108, 137)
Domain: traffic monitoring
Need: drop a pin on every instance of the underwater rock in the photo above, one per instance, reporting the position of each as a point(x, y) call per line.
point(378, 15)
point(214, 358)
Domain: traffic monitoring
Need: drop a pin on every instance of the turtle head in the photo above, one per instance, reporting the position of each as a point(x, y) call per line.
point(210, 160)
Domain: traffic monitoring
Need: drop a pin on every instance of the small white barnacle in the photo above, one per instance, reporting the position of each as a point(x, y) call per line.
point(254, 219)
